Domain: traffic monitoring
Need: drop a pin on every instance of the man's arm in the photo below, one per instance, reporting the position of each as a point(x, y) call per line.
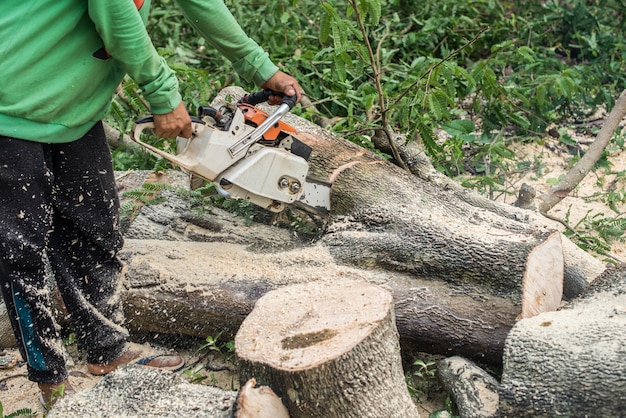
point(215, 23)
point(125, 38)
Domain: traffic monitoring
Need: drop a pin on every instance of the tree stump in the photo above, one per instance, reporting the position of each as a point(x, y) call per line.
point(328, 350)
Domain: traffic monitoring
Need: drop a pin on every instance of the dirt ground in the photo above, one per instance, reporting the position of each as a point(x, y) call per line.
point(550, 161)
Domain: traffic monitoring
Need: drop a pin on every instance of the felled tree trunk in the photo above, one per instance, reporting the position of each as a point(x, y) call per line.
point(455, 262)
point(203, 288)
point(570, 362)
point(422, 223)
point(328, 349)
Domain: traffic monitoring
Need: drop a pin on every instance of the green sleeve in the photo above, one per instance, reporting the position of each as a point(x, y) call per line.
point(125, 38)
point(215, 23)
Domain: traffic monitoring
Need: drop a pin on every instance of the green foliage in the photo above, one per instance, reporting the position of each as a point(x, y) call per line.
point(147, 194)
point(25, 412)
point(595, 232)
point(421, 376)
point(225, 349)
point(208, 195)
point(465, 79)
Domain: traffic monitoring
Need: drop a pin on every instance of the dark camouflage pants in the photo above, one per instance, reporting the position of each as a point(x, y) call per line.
point(59, 202)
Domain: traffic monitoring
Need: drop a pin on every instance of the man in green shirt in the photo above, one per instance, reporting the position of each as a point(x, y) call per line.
point(61, 62)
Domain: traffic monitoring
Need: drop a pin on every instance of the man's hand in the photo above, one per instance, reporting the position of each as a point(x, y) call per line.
point(173, 124)
point(282, 83)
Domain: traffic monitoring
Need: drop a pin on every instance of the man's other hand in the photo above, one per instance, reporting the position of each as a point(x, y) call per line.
point(282, 83)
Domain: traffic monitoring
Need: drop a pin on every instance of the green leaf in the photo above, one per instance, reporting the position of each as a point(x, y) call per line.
point(519, 119)
point(459, 128)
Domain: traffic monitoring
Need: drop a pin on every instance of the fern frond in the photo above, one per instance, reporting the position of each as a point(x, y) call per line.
point(25, 412)
point(371, 10)
point(156, 187)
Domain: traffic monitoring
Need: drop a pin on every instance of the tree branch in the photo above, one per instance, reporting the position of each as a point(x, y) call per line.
point(557, 193)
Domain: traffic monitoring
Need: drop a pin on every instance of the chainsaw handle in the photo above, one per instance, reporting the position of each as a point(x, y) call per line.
point(147, 122)
point(264, 95)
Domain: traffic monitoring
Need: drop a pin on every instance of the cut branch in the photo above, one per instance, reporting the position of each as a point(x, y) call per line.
point(557, 193)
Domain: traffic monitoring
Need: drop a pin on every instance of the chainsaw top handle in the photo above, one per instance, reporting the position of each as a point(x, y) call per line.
point(264, 95)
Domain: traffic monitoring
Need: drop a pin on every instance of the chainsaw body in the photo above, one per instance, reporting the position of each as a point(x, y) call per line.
point(247, 154)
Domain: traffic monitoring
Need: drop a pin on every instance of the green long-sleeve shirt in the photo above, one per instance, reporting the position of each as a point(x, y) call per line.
point(56, 81)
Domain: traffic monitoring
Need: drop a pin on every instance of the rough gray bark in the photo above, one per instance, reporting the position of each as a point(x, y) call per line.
point(474, 391)
point(328, 349)
point(137, 392)
point(202, 288)
point(570, 362)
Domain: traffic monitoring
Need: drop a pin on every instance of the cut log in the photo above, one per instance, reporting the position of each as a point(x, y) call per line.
point(570, 362)
point(473, 390)
point(328, 349)
point(204, 288)
point(137, 391)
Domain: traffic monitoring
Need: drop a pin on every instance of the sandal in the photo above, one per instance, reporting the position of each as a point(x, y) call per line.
point(173, 362)
point(164, 361)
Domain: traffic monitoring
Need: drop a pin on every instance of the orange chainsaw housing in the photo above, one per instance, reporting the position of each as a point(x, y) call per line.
point(256, 116)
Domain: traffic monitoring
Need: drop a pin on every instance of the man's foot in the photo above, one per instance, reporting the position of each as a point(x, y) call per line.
point(171, 362)
point(51, 392)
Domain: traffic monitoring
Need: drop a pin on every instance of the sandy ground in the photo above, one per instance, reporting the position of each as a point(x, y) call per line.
point(589, 199)
point(550, 159)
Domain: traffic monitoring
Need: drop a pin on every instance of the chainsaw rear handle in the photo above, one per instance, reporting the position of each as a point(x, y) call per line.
point(264, 95)
point(147, 122)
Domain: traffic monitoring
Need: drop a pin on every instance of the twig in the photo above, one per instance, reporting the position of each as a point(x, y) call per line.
point(5, 378)
point(376, 67)
point(432, 67)
point(578, 172)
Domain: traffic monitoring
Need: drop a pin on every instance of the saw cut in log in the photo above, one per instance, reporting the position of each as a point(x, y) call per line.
point(542, 285)
point(328, 350)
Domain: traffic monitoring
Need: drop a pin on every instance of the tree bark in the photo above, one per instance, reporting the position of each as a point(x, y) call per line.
point(570, 362)
point(203, 288)
point(474, 391)
point(454, 261)
point(328, 349)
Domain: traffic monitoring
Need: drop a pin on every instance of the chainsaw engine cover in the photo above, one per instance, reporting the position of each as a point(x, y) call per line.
point(272, 173)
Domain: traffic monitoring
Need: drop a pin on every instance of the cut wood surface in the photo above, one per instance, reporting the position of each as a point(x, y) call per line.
point(328, 349)
point(543, 280)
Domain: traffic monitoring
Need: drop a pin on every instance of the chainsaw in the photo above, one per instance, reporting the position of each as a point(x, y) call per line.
point(248, 154)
